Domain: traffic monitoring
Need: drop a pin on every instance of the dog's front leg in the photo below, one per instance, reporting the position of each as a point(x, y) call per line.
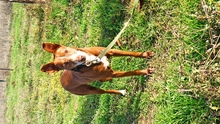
point(118, 74)
point(114, 52)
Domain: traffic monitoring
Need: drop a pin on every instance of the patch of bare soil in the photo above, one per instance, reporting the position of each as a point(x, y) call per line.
point(5, 44)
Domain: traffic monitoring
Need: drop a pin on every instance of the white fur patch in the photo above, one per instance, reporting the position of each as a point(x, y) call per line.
point(123, 92)
point(105, 61)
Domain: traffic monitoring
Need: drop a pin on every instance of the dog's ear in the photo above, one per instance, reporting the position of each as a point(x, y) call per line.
point(49, 47)
point(49, 68)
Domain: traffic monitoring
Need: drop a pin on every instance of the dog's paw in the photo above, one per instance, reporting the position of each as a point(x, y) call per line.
point(148, 54)
point(148, 71)
point(123, 92)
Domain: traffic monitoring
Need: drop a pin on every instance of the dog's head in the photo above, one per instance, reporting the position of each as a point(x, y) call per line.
point(64, 57)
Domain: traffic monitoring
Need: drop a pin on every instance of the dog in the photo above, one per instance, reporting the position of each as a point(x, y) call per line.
point(77, 75)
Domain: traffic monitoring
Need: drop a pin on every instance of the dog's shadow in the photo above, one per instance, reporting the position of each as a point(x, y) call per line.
point(111, 21)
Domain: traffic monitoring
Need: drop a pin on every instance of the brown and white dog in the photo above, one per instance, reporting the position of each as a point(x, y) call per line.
point(77, 76)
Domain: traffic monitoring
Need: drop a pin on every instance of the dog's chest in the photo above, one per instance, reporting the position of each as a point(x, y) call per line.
point(105, 62)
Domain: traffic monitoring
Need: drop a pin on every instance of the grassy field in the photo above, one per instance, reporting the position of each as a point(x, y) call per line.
point(184, 35)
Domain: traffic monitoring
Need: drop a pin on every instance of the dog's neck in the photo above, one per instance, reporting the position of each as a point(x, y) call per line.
point(91, 57)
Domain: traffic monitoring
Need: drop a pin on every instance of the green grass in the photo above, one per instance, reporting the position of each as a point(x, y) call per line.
point(184, 88)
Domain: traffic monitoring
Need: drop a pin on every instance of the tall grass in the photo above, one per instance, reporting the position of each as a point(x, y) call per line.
point(184, 36)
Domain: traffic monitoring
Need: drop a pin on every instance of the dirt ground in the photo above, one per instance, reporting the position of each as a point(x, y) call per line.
point(5, 44)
